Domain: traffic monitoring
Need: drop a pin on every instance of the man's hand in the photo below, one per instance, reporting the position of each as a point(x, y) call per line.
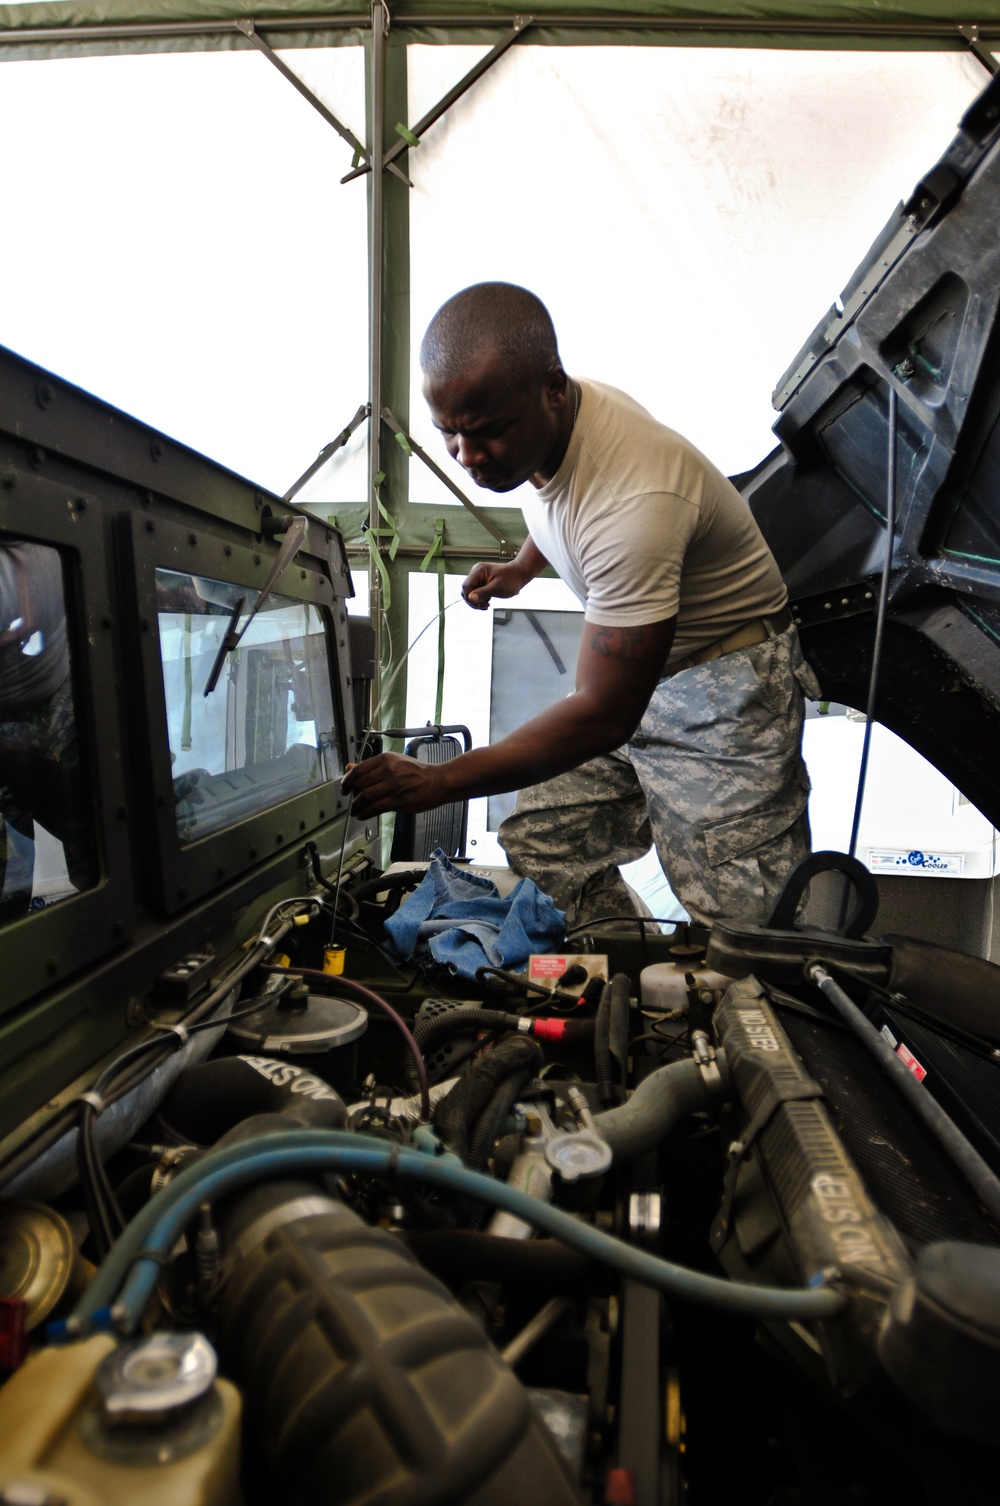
point(503, 578)
point(489, 579)
point(393, 782)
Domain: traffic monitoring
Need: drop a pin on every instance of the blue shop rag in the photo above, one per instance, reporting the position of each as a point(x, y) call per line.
point(457, 919)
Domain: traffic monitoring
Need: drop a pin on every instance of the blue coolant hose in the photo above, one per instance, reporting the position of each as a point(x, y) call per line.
point(125, 1282)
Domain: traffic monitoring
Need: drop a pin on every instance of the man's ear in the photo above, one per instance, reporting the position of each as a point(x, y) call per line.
point(556, 387)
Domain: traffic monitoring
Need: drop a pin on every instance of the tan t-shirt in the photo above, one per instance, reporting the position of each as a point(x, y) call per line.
point(641, 526)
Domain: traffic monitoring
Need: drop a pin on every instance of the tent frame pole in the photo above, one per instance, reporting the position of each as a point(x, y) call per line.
point(376, 299)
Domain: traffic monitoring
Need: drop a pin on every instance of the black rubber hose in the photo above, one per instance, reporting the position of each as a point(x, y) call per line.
point(494, 1117)
point(618, 1029)
point(407, 879)
point(456, 1114)
point(454, 1022)
point(487, 1132)
point(210, 1099)
point(602, 1048)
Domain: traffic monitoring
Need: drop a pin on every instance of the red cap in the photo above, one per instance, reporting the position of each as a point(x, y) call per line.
point(619, 1488)
point(548, 1030)
point(13, 1332)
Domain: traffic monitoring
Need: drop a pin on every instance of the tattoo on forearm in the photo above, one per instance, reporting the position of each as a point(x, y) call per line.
point(624, 644)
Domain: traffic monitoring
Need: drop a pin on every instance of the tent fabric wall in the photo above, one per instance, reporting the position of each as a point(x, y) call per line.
point(891, 12)
point(894, 20)
point(65, 27)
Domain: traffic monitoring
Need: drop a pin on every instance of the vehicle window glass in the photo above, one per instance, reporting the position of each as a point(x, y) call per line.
point(47, 847)
point(534, 664)
point(267, 731)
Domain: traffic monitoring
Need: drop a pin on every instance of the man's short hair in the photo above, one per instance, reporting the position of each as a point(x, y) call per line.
point(491, 316)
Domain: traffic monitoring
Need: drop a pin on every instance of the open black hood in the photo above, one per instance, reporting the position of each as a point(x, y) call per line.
point(920, 317)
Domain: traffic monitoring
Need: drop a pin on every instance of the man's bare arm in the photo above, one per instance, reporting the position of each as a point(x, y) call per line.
point(617, 672)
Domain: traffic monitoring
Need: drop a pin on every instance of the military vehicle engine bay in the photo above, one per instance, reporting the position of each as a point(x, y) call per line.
point(284, 1218)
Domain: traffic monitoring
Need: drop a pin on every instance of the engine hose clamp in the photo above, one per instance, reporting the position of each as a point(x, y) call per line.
point(391, 1173)
point(92, 1100)
point(712, 1078)
point(162, 1258)
point(311, 1206)
point(167, 1165)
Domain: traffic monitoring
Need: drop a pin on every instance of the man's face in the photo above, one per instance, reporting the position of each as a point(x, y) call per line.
point(502, 432)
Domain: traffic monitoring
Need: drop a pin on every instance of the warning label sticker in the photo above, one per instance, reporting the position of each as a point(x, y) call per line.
point(548, 968)
point(908, 1059)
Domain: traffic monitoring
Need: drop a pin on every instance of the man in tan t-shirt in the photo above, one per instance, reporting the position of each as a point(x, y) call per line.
point(685, 724)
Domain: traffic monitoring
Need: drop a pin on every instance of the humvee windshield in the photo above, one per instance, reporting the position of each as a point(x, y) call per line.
point(266, 732)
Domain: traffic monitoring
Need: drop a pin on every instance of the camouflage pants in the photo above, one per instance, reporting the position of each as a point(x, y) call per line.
point(714, 777)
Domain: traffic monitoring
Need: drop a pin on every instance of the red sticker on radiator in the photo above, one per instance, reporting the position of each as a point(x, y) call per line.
point(547, 967)
point(908, 1059)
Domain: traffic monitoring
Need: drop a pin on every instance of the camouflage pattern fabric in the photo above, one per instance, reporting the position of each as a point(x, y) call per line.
point(714, 778)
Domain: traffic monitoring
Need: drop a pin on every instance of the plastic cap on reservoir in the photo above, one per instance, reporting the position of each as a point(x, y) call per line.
point(333, 960)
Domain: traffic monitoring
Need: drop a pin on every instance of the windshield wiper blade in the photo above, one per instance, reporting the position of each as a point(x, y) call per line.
point(294, 539)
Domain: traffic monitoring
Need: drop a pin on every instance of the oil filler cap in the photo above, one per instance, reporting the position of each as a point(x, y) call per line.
point(153, 1378)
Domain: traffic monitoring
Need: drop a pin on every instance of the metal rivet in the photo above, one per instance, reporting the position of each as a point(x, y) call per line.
point(156, 449)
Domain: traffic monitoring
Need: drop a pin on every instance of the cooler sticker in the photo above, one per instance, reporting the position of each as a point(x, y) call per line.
point(896, 860)
point(888, 1035)
point(908, 1059)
